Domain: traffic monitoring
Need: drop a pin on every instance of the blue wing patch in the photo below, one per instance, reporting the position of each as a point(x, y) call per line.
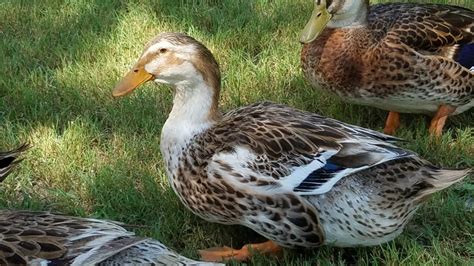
point(466, 56)
point(318, 177)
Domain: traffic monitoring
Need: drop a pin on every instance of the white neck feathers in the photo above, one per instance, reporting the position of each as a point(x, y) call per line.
point(190, 115)
point(353, 14)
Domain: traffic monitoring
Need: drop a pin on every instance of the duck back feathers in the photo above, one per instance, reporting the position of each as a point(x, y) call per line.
point(44, 238)
point(444, 30)
point(423, 27)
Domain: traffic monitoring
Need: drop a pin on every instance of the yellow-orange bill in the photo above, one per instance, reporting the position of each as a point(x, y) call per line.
point(316, 24)
point(131, 81)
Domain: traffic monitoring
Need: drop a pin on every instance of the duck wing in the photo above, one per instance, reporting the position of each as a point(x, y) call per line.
point(430, 29)
point(44, 238)
point(425, 27)
point(274, 148)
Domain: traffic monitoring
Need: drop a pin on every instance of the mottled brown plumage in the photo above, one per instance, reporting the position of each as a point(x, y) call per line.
point(297, 178)
point(400, 57)
point(283, 139)
point(44, 238)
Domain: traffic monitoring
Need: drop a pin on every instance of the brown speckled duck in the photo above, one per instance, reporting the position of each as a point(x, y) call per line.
point(404, 58)
point(44, 238)
point(297, 178)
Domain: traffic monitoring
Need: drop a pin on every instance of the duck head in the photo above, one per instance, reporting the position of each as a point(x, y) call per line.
point(175, 59)
point(334, 14)
point(182, 62)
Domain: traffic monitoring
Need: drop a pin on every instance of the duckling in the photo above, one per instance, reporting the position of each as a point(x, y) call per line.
point(297, 178)
point(403, 57)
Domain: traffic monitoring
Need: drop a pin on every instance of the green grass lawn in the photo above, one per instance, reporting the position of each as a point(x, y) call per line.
point(96, 156)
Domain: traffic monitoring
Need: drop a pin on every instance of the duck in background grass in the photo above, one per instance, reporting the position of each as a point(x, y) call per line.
point(403, 57)
point(297, 178)
point(43, 238)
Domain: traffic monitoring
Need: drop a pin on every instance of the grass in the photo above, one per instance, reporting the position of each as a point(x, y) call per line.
point(96, 156)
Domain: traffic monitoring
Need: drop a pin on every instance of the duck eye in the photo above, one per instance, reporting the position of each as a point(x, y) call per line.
point(163, 50)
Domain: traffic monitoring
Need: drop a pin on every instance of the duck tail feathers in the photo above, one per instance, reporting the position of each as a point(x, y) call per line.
point(440, 179)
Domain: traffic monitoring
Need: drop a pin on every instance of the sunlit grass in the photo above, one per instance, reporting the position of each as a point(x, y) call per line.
point(96, 156)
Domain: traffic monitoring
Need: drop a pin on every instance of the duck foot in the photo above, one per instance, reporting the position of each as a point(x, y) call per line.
point(438, 121)
point(220, 254)
point(392, 123)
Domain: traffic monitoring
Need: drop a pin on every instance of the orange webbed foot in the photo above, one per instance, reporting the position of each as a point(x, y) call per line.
point(219, 254)
point(439, 119)
point(392, 123)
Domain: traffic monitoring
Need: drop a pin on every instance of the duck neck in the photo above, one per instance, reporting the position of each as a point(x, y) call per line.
point(355, 15)
point(194, 106)
point(194, 111)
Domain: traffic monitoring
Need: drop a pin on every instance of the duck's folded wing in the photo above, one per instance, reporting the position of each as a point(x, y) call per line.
point(276, 149)
point(431, 28)
point(43, 238)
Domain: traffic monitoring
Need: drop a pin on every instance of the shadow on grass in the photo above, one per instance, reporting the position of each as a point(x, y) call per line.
point(40, 40)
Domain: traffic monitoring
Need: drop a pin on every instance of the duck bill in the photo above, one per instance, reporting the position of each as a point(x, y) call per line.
point(131, 81)
point(316, 24)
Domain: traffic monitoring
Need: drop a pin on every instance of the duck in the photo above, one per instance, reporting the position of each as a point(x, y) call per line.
point(399, 57)
point(46, 238)
point(297, 178)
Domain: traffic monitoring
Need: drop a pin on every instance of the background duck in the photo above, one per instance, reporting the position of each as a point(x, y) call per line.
point(297, 178)
point(44, 238)
point(404, 58)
